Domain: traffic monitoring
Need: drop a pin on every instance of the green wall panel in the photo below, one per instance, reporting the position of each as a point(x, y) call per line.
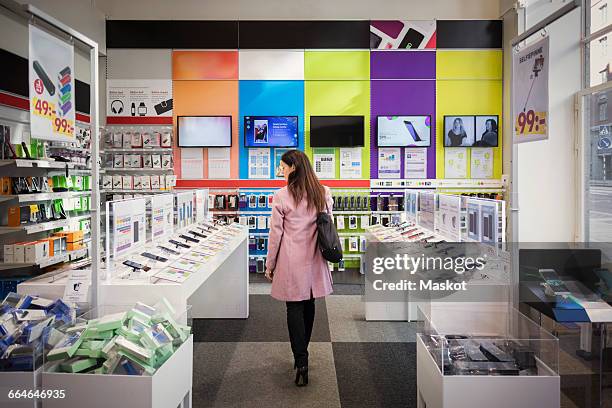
point(337, 65)
point(339, 98)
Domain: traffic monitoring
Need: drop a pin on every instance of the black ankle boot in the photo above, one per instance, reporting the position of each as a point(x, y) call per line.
point(301, 376)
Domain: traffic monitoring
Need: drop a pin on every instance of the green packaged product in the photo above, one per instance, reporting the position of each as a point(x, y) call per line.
point(129, 334)
point(109, 322)
point(66, 347)
point(93, 333)
point(76, 365)
point(109, 348)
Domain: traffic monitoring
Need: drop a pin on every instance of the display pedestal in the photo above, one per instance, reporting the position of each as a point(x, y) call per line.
point(220, 290)
point(169, 387)
point(19, 381)
point(435, 390)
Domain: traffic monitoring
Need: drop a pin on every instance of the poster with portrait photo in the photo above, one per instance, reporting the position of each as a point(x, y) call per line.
point(459, 131)
point(261, 131)
point(487, 131)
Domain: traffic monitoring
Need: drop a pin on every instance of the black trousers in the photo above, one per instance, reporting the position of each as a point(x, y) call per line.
point(300, 318)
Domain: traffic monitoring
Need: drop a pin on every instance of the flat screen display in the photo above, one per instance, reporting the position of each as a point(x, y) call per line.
point(271, 131)
point(204, 131)
point(459, 131)
point(337, 131)
point(486, 131)
point(404, 131)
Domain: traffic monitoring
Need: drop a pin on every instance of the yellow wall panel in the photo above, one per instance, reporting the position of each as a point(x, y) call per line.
point(473, 64)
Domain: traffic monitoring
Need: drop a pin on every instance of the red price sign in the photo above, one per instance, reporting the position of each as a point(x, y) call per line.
point(531, 123)
point(63, 126)
point(44, 108)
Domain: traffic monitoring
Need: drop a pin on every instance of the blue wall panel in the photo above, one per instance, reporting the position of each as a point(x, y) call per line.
point(269, 98)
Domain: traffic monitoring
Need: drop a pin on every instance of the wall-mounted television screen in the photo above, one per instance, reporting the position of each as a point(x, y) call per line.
point(404, 131)
point(487, 131)
point(204, 131)
point(459, 131)
point(337, 131)
point(271, 131)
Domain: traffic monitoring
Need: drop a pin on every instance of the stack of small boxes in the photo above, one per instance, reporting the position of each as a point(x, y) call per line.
point(29, 326)
point(36, 252)
point(136, 342)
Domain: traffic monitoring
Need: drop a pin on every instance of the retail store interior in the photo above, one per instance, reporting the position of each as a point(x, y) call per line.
point(145, 151)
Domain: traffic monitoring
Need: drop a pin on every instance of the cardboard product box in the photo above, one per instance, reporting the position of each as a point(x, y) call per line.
point(147, 161)
point(6, 187)
point(156, 158)
point(166, 139)
point(136, 140)
point(8, 253)
point(166, 161)
point(127, 140)
point(77, 182)
point(127, 182)
point(162, 182)
point(107, 182)
point(86, 183)
point(146, 182)
point(117, 182)
point(19, 252)
point(37, 251)
point(154, 182)
point(74, 239)
point(170, 181)
point(151, 139)
point(136, 161)
point(117, 140)
point(118, 162)
point(137, 183)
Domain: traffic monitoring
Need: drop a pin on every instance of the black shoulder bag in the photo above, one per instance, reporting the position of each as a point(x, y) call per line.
point(327, 238)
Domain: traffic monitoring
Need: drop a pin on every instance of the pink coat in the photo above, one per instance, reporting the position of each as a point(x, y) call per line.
point(293, 253)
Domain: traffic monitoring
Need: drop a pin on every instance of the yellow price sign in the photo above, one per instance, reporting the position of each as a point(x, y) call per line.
point(44, 108)
point(531, 123)
point(63, 126)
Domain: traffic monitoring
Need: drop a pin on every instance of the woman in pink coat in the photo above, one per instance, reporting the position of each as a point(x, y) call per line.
point(298, 272)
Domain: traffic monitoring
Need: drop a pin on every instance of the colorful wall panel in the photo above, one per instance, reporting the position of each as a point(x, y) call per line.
point(403, 84)
point(469, 83)
point(214, 98)
point(204, 65)
point(337, 65)
point(339, 98)
point(269, 98)
point(271, 64)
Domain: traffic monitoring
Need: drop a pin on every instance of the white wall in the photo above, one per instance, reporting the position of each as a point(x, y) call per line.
point(299, 9)
point(82, 15)
point(546, 169)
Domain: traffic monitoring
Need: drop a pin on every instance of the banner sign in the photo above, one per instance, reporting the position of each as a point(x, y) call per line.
point(51, 77)
point(530, 92)
point(139, 98)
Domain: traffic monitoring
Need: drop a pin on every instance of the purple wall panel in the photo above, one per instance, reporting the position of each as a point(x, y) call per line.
point(403, 64)
point(403, 97)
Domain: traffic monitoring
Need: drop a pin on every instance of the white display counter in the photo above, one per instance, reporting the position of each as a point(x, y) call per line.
point(219, 290)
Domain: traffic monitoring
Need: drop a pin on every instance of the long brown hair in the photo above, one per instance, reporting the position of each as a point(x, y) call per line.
point(303, 180)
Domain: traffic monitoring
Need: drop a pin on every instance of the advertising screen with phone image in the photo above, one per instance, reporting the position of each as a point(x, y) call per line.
point(271, 131)
point(204, 131)
point(337, 131)
point(404, 131)
point(487, 131)
point(459, 131)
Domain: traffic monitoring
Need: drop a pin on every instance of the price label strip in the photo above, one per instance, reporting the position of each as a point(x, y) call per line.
point(48, 110)
point(531, 123)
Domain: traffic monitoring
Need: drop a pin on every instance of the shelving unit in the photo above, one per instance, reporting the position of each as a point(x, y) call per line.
point(23, 171)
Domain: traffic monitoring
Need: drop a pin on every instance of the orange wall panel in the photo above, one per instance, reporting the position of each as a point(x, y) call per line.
point(204, 65)
point(207, 98)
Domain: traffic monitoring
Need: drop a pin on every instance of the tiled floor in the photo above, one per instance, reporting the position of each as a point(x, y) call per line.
point(248, 363)
point(353, 363)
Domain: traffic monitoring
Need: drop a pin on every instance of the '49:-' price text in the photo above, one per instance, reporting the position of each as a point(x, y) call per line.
point(531, 123)
point(47, 110)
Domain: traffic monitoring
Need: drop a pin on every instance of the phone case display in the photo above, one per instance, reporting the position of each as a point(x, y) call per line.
point(255, 213)
point(485, 221)
point(43, 199)
point(468, 342)
point(141, 155)
point(133, 342)
point(29, 327)
point(224, 205)
point(387, 207)
point(449, 221)
point(351, 209)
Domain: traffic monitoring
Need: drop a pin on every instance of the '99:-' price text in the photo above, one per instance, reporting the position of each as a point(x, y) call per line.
point(47, 110)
